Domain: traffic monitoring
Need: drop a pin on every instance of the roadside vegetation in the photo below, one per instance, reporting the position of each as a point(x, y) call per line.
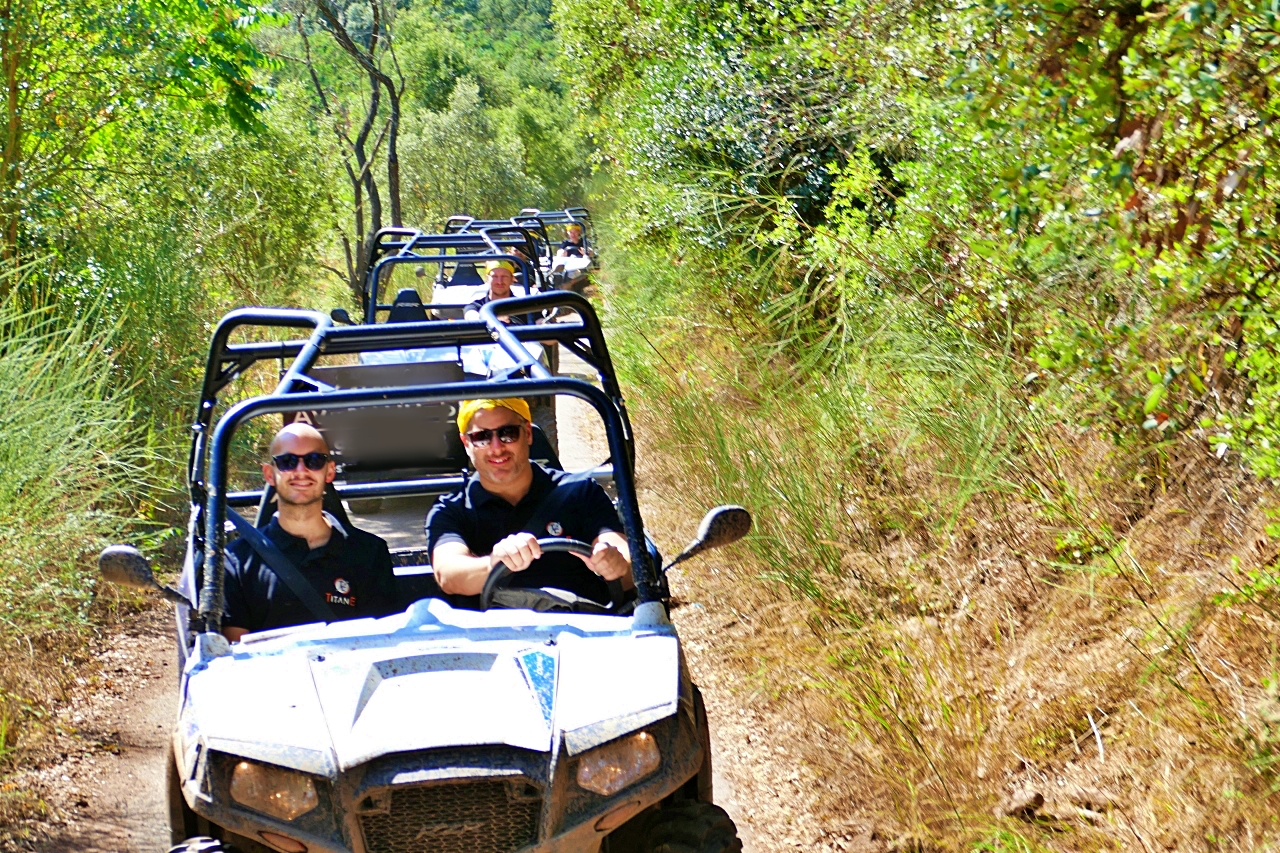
point(973, 305)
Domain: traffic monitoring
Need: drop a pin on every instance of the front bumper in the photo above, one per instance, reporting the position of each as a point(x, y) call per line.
point(473, 800)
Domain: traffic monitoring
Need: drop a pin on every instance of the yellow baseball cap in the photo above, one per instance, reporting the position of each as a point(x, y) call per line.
point(468, 408)
point(506, 265)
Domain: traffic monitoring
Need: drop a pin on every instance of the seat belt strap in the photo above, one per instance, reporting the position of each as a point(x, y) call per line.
point(282, 566)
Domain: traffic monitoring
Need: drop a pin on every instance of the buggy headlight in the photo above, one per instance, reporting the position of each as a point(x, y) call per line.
point(281, 793)
point(614, 766)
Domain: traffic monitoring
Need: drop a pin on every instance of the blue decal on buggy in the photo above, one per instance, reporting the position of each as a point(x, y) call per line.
point(540, 669)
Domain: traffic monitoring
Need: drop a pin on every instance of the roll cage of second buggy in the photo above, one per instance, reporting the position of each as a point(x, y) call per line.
point(453, 256)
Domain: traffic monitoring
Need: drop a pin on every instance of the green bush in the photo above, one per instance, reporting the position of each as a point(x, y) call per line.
point(1082, 188)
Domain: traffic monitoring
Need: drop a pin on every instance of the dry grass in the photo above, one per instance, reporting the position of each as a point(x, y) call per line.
point(1084, 630)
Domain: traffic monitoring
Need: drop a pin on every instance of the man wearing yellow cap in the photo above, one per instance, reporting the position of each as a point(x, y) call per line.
point(571, 245)
point(500, 276)
point(510, 502)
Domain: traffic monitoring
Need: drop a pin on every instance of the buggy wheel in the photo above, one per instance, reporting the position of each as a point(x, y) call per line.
point(185, 826)
point(689, 827)
point(200, 844)
point(365, 506)
point(704, 777)
point(544, 415)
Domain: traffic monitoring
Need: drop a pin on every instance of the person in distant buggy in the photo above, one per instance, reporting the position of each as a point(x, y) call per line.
point(500, 276)
point(509, 502)
point(350, 568)
point(571, 246)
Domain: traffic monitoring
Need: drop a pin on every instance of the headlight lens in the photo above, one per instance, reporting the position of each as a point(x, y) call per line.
point(281, 793)
point(614, 766)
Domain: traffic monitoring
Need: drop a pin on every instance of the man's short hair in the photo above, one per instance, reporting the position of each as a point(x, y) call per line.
point(468, 409)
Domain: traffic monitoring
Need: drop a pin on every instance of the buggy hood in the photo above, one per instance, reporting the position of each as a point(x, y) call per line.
point(325, 699)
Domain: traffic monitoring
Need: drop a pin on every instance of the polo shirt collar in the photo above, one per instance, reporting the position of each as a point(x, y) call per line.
point(334, 523)
point(284, 538)
point(478, 495)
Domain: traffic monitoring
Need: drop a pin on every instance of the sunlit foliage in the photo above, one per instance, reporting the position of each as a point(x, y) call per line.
point(1082, 185)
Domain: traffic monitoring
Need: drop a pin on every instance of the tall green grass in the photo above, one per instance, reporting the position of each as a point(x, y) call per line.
point(69, 465)
point(980, 575)
point(829, 454)
point(70, 472)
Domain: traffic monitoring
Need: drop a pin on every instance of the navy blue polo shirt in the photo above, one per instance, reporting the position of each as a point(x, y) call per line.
point(352, 571)
point(558, 504)
point(514, 319)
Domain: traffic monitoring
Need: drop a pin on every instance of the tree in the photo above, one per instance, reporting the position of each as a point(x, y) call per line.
point(71, 70)
point(462, 160)
point(370, 50)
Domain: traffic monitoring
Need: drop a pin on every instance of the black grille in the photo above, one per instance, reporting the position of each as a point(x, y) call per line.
point(468, 817)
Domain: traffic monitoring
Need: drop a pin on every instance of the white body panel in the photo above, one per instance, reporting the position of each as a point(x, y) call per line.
point(324, 699)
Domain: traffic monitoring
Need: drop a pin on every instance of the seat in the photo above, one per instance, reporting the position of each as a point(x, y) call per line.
point(466, 276)
point(540, 450)
point(407, 308)
point(331, 504)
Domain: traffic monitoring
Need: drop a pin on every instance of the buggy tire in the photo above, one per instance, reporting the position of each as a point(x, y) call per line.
point(201, 844)
point(688, 826)
point(364, 506)
point(544, 415)
point(184, 825)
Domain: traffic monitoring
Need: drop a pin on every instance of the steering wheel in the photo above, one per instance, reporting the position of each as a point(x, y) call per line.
point(540, 599)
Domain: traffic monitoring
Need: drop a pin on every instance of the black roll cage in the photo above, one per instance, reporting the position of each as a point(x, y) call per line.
point(568, 216)
point(462, 225)
point(409, 246)
point(296, 391)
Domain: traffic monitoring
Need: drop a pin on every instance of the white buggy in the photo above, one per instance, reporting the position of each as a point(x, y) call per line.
point(485, 728)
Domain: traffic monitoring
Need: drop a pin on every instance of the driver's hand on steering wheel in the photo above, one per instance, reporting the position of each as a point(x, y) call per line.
point(517, 551)
point(606, 561)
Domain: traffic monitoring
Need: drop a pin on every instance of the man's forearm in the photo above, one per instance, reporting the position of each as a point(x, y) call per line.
point(460, 574)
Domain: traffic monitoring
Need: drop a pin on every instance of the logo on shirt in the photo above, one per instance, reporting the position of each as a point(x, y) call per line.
point(343, 597)
point(555, 529)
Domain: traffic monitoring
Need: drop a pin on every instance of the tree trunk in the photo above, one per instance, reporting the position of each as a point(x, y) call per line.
point(368, 60)
point(393, 156)
point(13, 56)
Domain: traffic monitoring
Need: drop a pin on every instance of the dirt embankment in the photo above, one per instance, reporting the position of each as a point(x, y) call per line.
point(100, 779)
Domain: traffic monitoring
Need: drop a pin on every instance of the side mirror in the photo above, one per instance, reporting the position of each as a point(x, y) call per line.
point(340, 315)
point(721, 526)
point(124, 565)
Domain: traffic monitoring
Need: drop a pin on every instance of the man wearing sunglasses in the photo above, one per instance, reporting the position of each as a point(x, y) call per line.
point(510, 502)
point(349, 568)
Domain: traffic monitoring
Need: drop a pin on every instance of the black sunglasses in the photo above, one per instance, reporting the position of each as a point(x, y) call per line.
point(315, 460)
point(506, 434)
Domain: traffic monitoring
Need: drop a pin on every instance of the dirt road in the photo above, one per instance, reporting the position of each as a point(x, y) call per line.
point(107, 794)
